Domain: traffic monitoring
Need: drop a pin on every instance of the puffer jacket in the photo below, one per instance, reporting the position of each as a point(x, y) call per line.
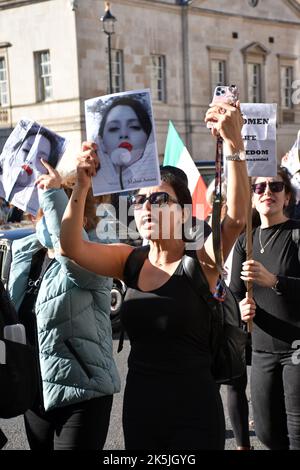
point(72, 312)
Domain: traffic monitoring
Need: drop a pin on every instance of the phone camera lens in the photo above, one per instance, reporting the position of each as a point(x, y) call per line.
point(223, 92)
point(218, 93)
point(219, 88)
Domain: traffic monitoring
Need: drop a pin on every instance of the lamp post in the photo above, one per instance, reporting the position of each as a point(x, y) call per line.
point(108, 27)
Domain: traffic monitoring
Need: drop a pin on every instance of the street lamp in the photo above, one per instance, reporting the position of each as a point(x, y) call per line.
point(108, 27)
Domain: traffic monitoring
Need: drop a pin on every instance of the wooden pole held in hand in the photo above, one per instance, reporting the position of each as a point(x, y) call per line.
point(249, 284)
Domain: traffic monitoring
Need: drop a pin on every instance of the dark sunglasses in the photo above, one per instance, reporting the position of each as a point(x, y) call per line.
point(160, 199)
point(274, 186)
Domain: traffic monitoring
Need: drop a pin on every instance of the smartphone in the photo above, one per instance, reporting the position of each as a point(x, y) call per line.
point(224, 94)
point(15, 333)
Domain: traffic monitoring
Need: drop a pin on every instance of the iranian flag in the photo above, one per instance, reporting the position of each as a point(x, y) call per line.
point(176, 154)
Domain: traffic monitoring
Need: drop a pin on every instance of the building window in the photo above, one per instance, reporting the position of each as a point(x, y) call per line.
point(3, 83)
point(158, 77)
point(218, 73)
point(44, 77)
point(254, 83)
point(286, 80)
point(117, 70)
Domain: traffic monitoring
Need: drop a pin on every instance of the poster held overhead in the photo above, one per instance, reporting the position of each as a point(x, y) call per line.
point(20, 162)
point(122, 126)
point(291, 161)
point(259, 135)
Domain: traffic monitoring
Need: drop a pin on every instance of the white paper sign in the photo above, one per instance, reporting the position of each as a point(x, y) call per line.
point(20, 162)
point(259, 134)
point(122, 126)
point(291, 161)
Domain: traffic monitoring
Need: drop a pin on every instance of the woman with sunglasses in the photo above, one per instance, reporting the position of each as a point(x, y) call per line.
point(171, 400)
point(275, 272)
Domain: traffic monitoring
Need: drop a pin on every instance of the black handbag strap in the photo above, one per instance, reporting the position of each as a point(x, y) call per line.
point(195, 274)
point(198, 282)
point(217, 207)
point(40, 263)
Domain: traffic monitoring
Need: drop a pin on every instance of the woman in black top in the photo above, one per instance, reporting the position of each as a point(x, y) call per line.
point(275, 272)
point(171, 400)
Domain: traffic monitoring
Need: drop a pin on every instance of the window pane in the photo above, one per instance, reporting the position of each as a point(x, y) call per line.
point(44, 77)
point(158, 81)
point(3, 83)
point(286, 80)
point(117, 70)
point(218, 69)
point(254, 83)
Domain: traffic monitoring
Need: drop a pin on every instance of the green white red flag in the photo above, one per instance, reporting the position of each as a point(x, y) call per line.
point(176, 154)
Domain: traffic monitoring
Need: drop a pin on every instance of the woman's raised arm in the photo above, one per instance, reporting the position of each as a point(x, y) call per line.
point(229, 126)
point(107, 260)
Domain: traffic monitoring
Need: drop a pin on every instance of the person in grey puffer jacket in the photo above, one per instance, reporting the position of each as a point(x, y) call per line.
point(66, 312)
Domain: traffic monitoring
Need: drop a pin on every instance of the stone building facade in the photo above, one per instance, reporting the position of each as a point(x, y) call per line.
point(53, 56)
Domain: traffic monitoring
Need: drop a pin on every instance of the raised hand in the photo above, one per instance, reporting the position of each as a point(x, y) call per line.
point(247, 309)
point(50, 180)
point(228, 122)
point(87, 164)
point(256, 272)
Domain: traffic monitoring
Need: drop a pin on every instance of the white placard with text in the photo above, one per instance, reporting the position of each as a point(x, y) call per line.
point(259, 134)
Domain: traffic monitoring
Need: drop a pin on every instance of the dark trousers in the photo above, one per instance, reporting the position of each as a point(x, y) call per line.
point(82, 426)
point(275, 393)
point(238, 410)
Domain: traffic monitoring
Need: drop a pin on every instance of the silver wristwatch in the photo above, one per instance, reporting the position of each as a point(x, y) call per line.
point(236, 157)
point(275, 288)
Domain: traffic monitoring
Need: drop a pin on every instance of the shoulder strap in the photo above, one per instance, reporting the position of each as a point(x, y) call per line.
point(39, 265)
point(132, 269)
point(198, 281)
point(217, 207)
point(134, 264)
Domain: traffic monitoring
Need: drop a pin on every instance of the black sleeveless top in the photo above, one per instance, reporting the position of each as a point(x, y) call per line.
point(168, 327)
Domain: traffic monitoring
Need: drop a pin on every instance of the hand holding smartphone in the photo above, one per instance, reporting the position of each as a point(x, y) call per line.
point(224, 94)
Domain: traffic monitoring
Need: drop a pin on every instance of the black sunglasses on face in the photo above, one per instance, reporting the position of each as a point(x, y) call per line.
point(274, 187)
point(160, 199)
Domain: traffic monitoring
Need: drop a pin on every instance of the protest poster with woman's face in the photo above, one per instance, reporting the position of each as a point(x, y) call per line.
point(20, 162)
point(122, 126)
